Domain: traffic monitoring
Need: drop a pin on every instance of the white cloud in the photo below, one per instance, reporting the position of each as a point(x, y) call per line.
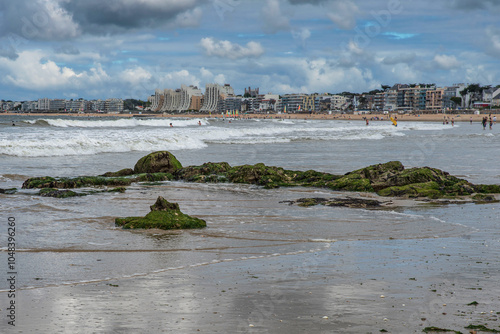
point(343, 13)
point(301, 36)
point(446, 62)
point(274, 19)
point(135, 75)
point(493, 42)
point(226, 49)
point(30, 71)
point(220, 79)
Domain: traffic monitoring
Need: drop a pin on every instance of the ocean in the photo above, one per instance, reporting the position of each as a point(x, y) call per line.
point(73, 241)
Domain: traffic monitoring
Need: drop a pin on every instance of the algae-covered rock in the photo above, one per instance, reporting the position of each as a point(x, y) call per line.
point(487, 188)
point(153, 177)
point(164, 215)
point(120, 173)
point(484, 198)
point(208, 172)
point(9, 191)
point(51, 192)
point(267, 176)
point(428, 189)
point(77, 182)
point(157, 162)
point(346, 202)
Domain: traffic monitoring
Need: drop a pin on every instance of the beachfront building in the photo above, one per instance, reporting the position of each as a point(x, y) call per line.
point(434, 99)
point(309, 103)
point(187, 94)
point(114, 106)
point(231, 104)
point(97, 105)
point(250, 104)
point(196, 102)
point(338, 102)
point(156, 100)
point(293, 103)
point(43, 104)
point(76, 105)
point(57, 104)
point(495, 99)
point(29, 105)
point(172, 100)
point(214, 94)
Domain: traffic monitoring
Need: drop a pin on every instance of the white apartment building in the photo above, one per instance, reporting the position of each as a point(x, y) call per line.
point(213, 94)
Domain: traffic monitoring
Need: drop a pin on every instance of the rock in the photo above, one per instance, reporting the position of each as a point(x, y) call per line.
point(77, 182)
point(164, 205)
point(260, 174)
point(483, 198)
point(51, 192)
point(164, 215)
point(208, 172)
point(157, 162)
point(122, 172)
point(347, 202)
point(10, 191)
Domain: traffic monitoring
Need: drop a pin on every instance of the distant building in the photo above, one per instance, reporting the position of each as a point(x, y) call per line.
point(43, 104)
point(434, 99)
point(113, 106)
point(76, 105)
point(292, 103)
point(251, 92)
point(214, 94)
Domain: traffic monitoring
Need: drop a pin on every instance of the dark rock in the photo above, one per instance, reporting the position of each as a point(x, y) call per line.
point(208, 172)
point(347, 202)
point(78, 182)
point(157, 162)
point(120, 173)
point(164, 205)
point(260, 174)
point(10, 191)
point(51, 192)
point(164, 215)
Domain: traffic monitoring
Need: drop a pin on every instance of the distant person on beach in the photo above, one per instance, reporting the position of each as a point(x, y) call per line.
point(485, 120)
point(367, 123)
point(495, 119)
point(471, 120)
point(452, 122)
point(491, 123)
point(199, 122)
point(171, 125)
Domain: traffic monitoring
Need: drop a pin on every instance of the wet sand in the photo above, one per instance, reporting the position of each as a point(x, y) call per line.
point(346, 287)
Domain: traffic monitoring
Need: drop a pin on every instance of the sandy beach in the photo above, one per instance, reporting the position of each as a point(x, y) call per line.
point(317, 116)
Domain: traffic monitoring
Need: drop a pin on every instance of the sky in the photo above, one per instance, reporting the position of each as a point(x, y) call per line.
point(95, 49)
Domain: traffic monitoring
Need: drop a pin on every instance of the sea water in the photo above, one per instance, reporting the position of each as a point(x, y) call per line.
point(74, 240)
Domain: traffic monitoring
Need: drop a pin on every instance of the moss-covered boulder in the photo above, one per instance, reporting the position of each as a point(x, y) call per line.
point(157, 162)
point(164, 215)
point(260, 174)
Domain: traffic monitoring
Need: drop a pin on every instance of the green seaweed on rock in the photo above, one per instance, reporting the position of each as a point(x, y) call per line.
point(164, 215)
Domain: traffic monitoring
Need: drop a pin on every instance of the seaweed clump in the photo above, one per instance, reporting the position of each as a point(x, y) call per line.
point(164, 215)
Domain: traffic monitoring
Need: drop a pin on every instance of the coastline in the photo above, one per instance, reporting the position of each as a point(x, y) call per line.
point(337, 116)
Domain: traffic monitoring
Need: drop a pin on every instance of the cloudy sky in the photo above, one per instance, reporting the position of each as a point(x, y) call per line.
point(127, 48)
